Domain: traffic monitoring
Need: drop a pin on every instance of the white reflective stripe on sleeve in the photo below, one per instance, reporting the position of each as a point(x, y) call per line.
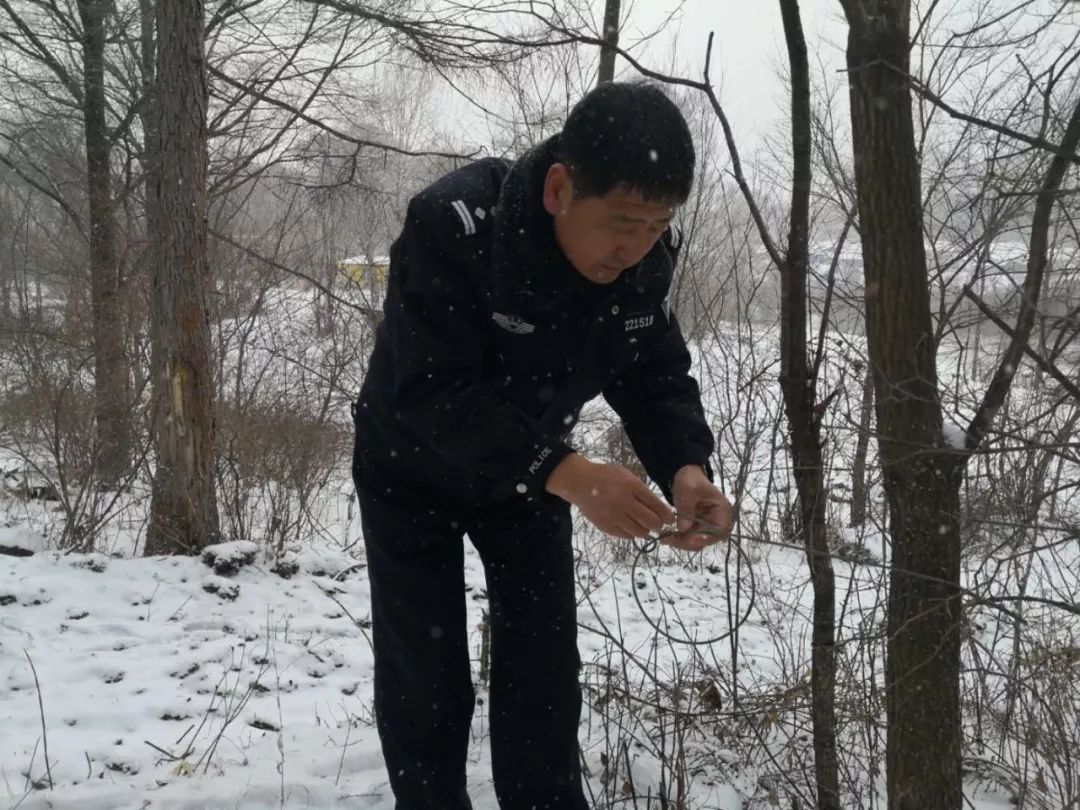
point(466, 217)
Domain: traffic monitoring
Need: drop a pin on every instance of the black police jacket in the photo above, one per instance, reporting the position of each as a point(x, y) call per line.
point(491, 343)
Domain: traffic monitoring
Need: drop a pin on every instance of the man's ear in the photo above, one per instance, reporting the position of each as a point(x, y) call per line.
point(558, 189)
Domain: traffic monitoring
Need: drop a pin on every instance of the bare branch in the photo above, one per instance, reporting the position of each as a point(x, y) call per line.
point(51, 193)
point(998, 390)
point(924, 20)
point(830, 288)
point(337, 133)
point(1042, 362)
point(448, 38)
point(292, 271)
point(42, 53)
point(1059, 150)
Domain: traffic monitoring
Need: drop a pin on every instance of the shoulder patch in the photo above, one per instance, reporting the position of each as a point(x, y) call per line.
point(466, 216)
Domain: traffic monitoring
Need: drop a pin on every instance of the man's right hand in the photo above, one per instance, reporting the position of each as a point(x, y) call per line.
point(611, 497)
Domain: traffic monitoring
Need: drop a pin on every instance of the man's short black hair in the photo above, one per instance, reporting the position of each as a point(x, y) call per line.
point(628, 134)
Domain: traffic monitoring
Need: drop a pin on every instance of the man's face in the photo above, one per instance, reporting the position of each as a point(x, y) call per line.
point(602, 236)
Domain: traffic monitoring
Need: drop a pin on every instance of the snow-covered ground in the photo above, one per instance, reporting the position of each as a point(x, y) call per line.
point(162, 683)
point(166, 685)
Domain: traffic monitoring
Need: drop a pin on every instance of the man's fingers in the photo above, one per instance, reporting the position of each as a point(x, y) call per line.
point(684, 542)
point(672, 540)
point(635, 526)
point(711, 521)
point(721, 518)
point(645, 517)
point(650, 501)
point(692, 539)
point(684, 523)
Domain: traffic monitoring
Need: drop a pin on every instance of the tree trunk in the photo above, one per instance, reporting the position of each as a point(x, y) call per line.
point(139, 314)
point(112, 390)
point(610, 35)
point(862, 447)
point(921, 478)
point(150, 111)
point(798, 385)
point(607, 74)
point(184, 514)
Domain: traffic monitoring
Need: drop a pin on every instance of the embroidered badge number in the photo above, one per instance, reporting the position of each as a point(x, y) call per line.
point(639, 322)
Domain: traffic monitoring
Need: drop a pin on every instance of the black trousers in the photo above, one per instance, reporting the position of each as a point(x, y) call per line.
point(423, 686)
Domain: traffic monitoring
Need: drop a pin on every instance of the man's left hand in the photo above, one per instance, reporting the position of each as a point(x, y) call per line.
point(699, 505)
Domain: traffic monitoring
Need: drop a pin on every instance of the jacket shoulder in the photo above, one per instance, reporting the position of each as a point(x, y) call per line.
point(444, 246)
point(458, 206)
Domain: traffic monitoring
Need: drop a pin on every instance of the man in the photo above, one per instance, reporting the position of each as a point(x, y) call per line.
point(517, 293)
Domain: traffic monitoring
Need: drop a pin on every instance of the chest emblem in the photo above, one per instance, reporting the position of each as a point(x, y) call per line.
point(513, 324)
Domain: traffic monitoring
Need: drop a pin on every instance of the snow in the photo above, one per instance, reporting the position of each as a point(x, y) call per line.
point(19, 540)
point(158, 693)
point(228, 558)
point(142, 670)
point(157, 688)
point(247, 682)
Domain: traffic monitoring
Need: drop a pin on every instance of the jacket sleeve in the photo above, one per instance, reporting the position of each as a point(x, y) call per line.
point(434, 321)
point(660, 406)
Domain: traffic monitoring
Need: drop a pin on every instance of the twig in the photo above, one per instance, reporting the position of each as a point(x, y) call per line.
point(1066, 153)
point(1039, 360)
point(344, 748)
point(251, 90)
point(41, 711)
point(281, 728)
point(177, 611)
point(28, 785)
point(702, 527)
point(352, 618)
point(233, 708)
point(270, 262)
point(169, 755)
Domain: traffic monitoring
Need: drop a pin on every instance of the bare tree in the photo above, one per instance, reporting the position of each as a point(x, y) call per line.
point(858, 473)
point(183, 517)
point(922, 470)
point(74, 62)
point(921, 476)
point(798, 381)
point(611, 39)
point(112, 395)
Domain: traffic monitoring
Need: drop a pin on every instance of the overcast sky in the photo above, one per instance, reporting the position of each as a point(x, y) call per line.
point(748, 54)
point(747, 51)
